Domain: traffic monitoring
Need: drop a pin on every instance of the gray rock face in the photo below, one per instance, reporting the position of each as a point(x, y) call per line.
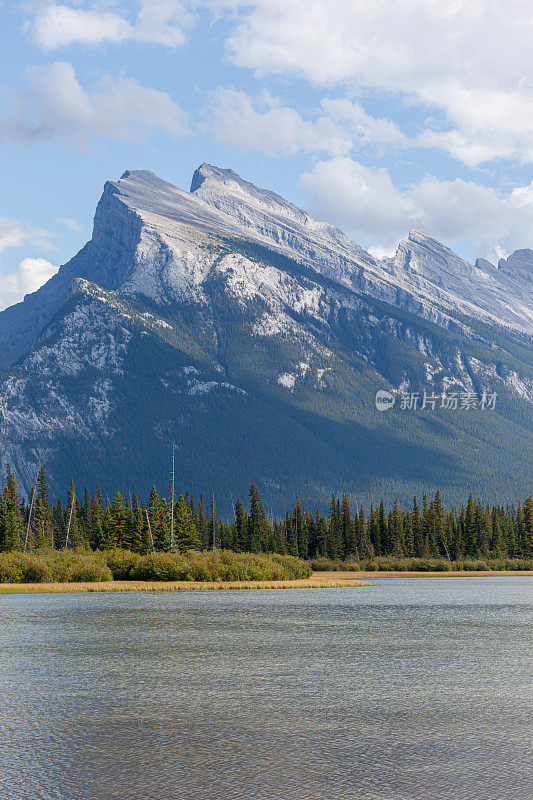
point(518, 265)
point(151, 238)
point(427, 268)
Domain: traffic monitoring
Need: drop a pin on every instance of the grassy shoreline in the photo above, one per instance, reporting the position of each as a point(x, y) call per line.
point(318, 580)
point(361, 574)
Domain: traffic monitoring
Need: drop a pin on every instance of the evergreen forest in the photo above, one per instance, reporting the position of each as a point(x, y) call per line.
point(181, 523)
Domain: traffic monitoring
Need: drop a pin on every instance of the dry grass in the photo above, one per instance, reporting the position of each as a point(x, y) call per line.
point(318, 580)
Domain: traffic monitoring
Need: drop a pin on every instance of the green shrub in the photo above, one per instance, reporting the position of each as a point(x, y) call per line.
point(161, 567)
point(392, 564)
point(122, 563)
point(67, 566)
point(23, 568)
point(59, 566)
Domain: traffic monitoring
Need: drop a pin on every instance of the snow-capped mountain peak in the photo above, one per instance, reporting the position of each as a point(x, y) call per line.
point(227, 318)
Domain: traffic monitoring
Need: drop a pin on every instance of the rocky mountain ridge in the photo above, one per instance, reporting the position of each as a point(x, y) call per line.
point(188, 310)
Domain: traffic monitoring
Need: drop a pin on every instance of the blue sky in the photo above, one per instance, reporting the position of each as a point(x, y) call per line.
point(378, 117)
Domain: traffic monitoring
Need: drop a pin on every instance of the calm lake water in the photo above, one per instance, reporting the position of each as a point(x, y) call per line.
point(412, 689)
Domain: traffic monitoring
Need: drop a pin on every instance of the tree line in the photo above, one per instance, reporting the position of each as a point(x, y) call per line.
point(425, 530)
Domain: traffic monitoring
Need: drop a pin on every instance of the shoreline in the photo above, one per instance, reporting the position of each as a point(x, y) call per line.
point(361, 575)
point(319, 580)
point(324, 580)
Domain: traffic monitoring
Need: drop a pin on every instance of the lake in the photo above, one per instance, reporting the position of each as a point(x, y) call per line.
point(412, 689)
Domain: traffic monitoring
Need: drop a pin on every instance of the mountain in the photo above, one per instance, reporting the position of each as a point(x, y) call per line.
point(228, 320)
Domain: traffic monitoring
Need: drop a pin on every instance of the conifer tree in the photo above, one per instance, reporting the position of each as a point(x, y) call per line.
point(11, 518)
point(75, 536)
point(335, 549)
point(373, 530)
point(257, 522)
point(202, 524)
point(528, 527)
point(185, 534)
point(241, 528)
point(301, 532)
point(396, 531)
point(418, 530)
point(383, 529)
point(41, 530)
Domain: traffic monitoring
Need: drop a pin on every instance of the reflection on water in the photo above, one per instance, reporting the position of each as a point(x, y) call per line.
point(411, 689)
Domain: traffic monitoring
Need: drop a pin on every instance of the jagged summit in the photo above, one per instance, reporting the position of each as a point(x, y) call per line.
point(155, 240)
point(213, 183)
point(138, 174)
point(419, 235)
point(208, 172)
point(518, 265)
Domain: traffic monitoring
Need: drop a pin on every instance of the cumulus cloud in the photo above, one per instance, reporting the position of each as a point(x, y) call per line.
point(161, 22)
point(236, 119)
point(357, 198)
point(55, 106)
point(30, 275)
point(364, 128)
point(468, 60)
point(366, 203)
point(14, 233)
point(264, 124)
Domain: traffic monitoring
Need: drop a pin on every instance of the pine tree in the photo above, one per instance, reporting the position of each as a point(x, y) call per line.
point(135, 528)
point(185, 534)
point(396, 531)
point(335, 549)
point(95, 533)
point(408, 536)
point(374, 534)
point(11, 517)
point(75, 537)
point(301, 532)
point(365, 546)
point(241, 528)
point(418, 530)
point(528, 527)
point(470, 527)
point(41, 529)
point(383, 530)
point(257, 522)
point(201, 524)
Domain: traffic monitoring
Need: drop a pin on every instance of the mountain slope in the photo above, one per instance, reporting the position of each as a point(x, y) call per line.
point(228, 320)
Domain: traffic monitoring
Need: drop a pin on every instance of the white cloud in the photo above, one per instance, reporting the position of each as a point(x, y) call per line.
point(30, 275)
point(71, 224)
point(468, 59)
point(264, 124)
point(358, 199)
point(55, 106)
point(366, 203)
point(368, 130)
point(161, 22)
point(14, 233)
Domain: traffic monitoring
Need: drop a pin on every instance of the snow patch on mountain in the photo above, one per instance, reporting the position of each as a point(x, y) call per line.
point(288, 380)
point(200, 387)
